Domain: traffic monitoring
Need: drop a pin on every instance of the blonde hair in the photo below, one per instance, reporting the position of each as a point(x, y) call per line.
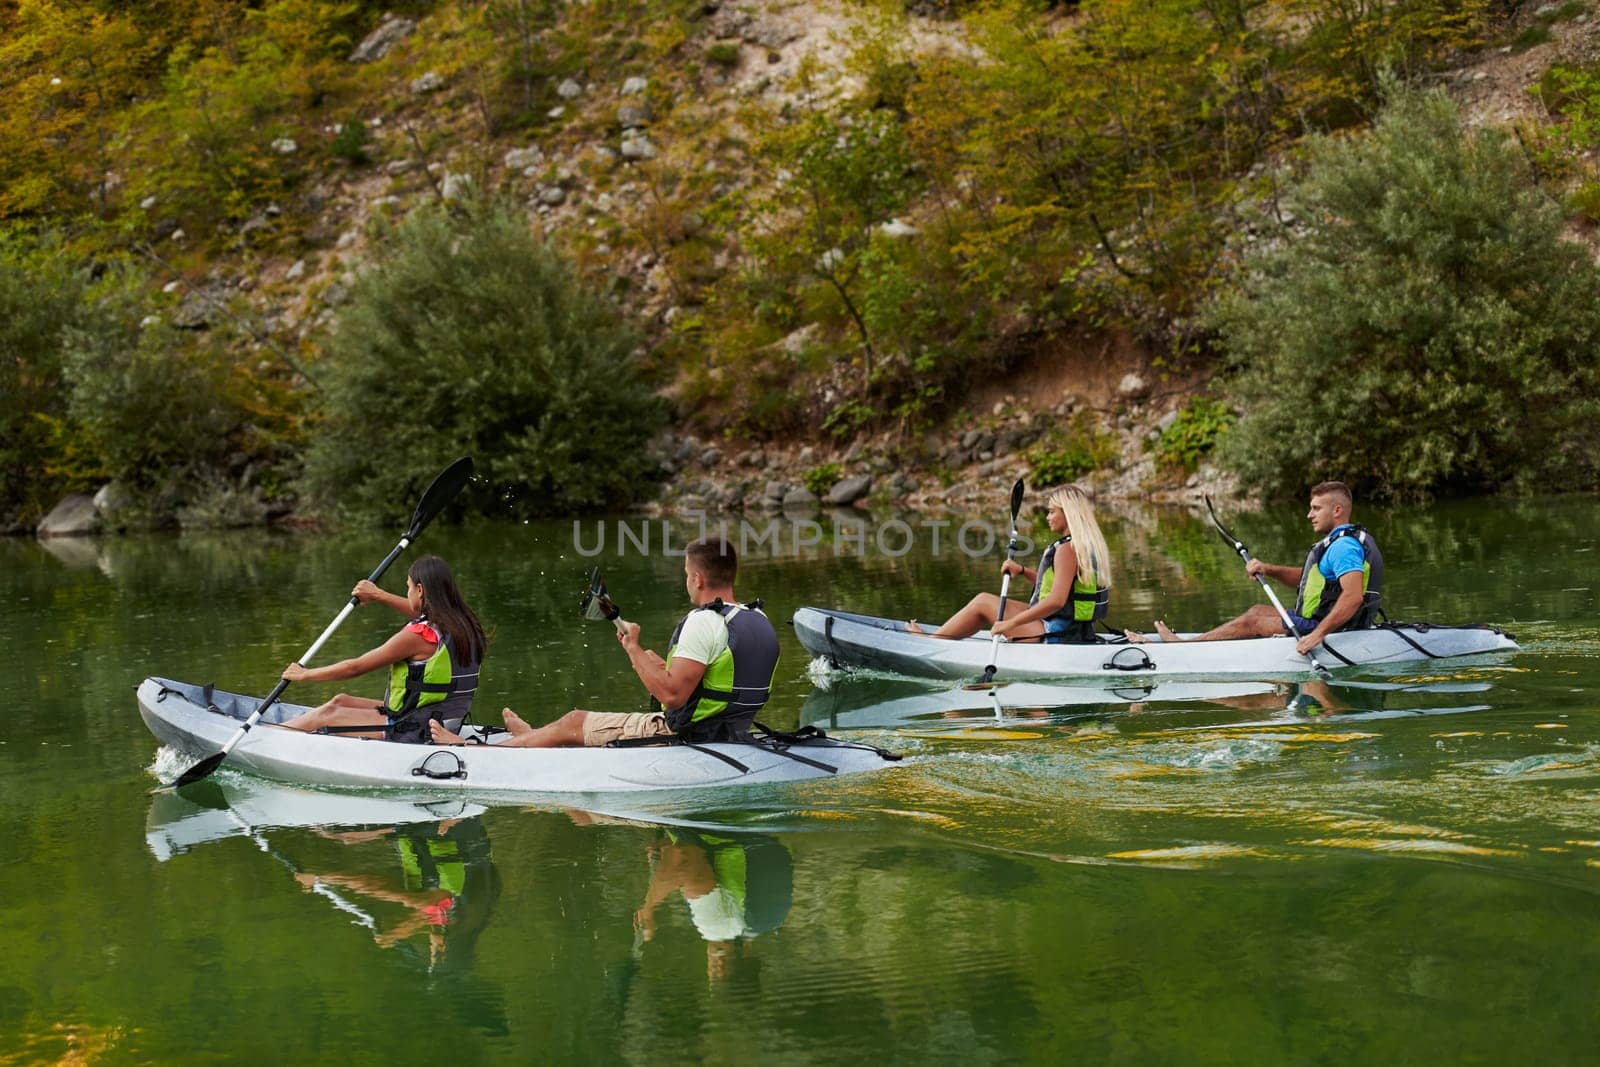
point(1094, 559)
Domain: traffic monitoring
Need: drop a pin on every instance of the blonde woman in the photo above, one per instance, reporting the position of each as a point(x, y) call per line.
point(1071, 586)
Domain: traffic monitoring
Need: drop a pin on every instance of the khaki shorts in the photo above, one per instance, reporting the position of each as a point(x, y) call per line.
point(603, 727)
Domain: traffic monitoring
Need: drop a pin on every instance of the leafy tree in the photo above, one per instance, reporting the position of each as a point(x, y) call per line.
point(841, 174)
point(469, 336)
point(97, 388)
point(41, 292)
point(67, 73)
point(153, 404)
point(1425, 330)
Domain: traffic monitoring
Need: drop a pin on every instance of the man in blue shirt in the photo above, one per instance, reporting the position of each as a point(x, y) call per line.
point(1333, 584)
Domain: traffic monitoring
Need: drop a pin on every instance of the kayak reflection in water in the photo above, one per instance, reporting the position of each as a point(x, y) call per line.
point(447, 886)
point(1338, 586)
point(736, 887)
point(432, 663)
point(1071, 585)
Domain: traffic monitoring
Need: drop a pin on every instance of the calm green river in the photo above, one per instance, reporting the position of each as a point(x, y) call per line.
point(1133, 875)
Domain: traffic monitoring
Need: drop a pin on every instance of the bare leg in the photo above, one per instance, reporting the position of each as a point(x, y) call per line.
point(979, 613)
point(342, 710)
point(1260, 621)
point(565, 732)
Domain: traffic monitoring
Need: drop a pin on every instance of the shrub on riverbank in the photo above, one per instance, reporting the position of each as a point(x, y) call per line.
point(1425, 328)
point(97, 388)
point(40, 299)
point(470, 337)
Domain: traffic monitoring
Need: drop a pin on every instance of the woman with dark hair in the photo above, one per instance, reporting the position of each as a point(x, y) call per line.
point(433, 663)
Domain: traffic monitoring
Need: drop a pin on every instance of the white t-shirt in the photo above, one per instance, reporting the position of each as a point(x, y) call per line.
point(719, 915)
point(704, 637)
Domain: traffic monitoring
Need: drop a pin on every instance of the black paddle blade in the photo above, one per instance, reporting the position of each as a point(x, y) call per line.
point(200, 770)
point(450, 481)
point(207, 794)
point(596, 603)
point(1227, 534)
point(1016, 499)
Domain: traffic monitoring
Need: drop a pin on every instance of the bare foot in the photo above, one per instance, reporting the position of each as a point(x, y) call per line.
point(515, 723)
point(1167, 633)
point(913, 628)
point(441, 736)
point(1135, 637)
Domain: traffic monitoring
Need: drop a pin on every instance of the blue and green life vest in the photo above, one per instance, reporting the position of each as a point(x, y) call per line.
point(1317, 597)
point(438, 684)
point(736, 684)
point(1086, 603)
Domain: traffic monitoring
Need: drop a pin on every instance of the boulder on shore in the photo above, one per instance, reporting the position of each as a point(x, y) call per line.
point(848, 490)
point(75, 516)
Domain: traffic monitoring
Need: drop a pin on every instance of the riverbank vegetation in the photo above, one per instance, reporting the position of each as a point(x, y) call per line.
point(270, 256)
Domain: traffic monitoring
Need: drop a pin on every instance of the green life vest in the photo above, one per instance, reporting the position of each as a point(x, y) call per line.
point(436, 865)
point(736, 683)
point(1316, 597)
point(437, 680)
point(1087, 601)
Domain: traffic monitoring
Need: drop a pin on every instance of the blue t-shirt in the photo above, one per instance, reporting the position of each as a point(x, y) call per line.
point(1343, 556)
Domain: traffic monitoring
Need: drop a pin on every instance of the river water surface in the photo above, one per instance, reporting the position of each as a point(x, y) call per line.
point(1172, 874)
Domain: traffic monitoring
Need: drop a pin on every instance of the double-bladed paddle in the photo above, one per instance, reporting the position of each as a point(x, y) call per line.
point(450, 481)
point(1244, 554)
point(1005, 586)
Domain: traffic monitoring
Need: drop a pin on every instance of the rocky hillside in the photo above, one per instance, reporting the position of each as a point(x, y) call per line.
point(656, 145)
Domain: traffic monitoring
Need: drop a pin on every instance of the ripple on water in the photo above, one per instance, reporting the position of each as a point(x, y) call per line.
point(1579, 763)
point(1426, 845)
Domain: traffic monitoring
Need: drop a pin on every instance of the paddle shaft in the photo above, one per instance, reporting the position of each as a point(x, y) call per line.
point(1283, 615)
point(361, 917)
point(310, 653)
point(1000, 612)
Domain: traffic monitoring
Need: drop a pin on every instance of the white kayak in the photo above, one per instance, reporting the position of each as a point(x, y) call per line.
point(190, 718)
point(239, 806)
point(852, 642)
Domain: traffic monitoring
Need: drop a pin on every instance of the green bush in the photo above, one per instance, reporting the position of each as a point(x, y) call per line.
point(1537, 34)
point(821, 478)
point(469, 336)
point(98, 389)
point(844, 420)
point(154, 405)
point(1194, 433)
point(723, 54)
point(351, 144)
point(41, 298)
point(1584, 202)
point(1428, 331)
point(1067, 454)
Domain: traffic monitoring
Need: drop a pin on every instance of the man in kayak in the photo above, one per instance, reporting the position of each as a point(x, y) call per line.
point(1341, 574)
point(716, 677)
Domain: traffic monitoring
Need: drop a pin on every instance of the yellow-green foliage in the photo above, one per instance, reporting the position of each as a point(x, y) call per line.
point(821, 478)
point(1069, 452)
point(1053, 169)
point(97, 387)
point(1062, 171)
point(1194, 433)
